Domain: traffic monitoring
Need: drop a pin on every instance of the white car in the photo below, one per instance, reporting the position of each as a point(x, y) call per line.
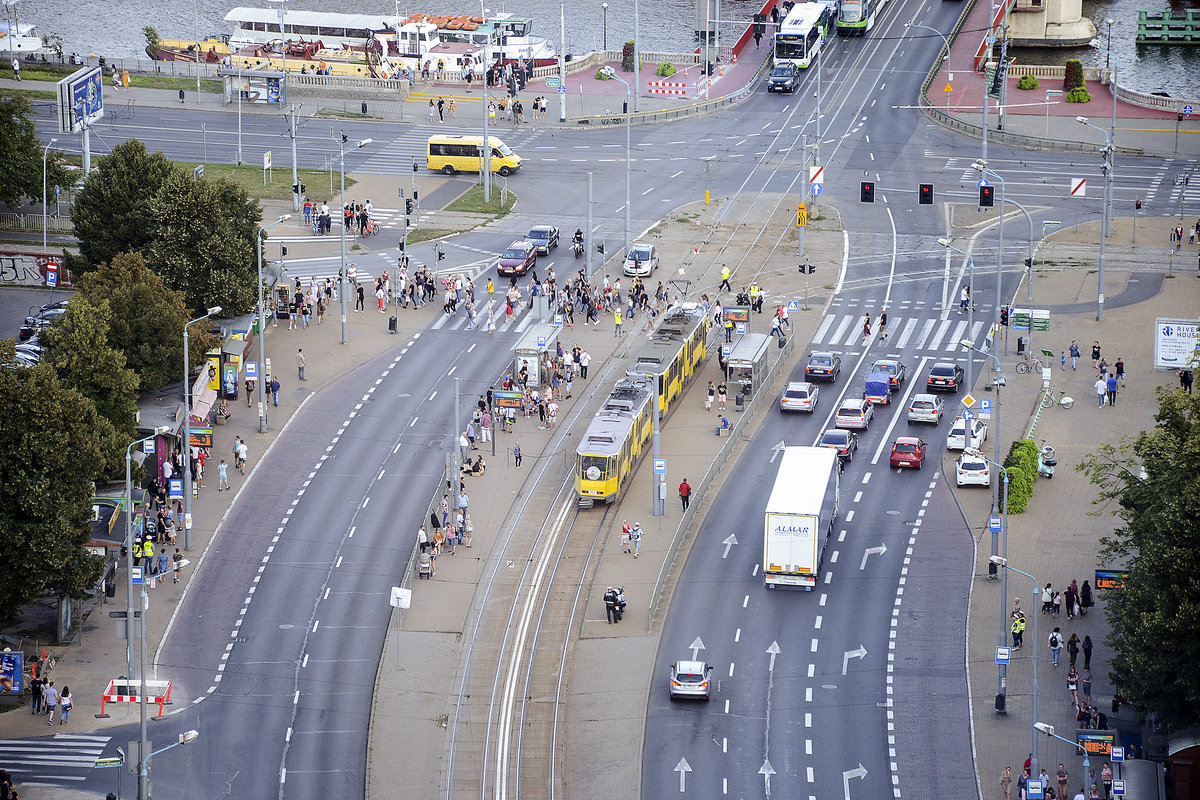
point(641, 260)
point(925, 408)
point(957, 440)
point(690, 679)
point(854, 414)
point(799, 396)
point(971, 470)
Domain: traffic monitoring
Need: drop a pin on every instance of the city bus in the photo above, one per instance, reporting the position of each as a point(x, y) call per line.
point(803, 31)
point(856, 17)
point(451, 154)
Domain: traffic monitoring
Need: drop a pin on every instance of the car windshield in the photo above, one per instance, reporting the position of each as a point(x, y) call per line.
point(504, 149)
point(906, 447)
point(890, 369)
point(782, 71)
point(639, 254)
point(539, 233)
point(974, 465)
point(514, 253)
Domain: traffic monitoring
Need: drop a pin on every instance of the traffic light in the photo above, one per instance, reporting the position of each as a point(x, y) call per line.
point(1004, 316)
point(416, 196)
point(282, 250)
point(998, 80)
point(1029, 263)
point(345, 138)
point(299, 188)
point(1179, 117)
point(866, 192)
point(440, 254)
point(807, 269)
point(408, 206)
point(600, 248)
point(987, 196)
point(925, 194)
point(1137, 204)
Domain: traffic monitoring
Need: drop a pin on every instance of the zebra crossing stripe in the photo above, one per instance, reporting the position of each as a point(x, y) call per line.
point(910, 325)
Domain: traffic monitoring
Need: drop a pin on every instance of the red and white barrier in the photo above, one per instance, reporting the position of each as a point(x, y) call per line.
point(667, 87)
point(126, 691)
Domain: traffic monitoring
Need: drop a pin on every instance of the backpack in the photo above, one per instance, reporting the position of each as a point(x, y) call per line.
point(1055, 641)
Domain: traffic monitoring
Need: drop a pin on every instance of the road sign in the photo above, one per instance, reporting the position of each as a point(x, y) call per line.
point(816, 190)
point(793, 305)
point(51, 273)
point(985, 406)
point(660, 466)
point(816, 175)
point(1118, 754)
point(558, 320)
point(252, 369)
point(136, 574)
point(115, 761)
point(1054, 93)
point(968, 414)
point(741, 328)
point(562, 90)
point(968, 400)
point(1034, 790)
point(948, 89)
point(801, 215)
point(726, 349)
point(1119, 788)
point(1187, 109)
point(1002, 655)
point(1078, 187)
point(982, 183)
point(995, 524)
point(175, 486)
point(267, 160)
point(148, 447)
point(553, 82)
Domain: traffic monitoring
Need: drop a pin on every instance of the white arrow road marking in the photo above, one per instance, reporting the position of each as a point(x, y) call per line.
point(860, 653)
point(729, 542)
point(774, 651)
point(766, 770)
point(683, 768)
point(696, 646)
point(860, 773)
point(777, 449)
point(872, 551)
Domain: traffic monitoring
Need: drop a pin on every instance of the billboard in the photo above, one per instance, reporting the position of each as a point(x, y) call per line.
point(11, 674)
point(1174, 342)
point(80, 99)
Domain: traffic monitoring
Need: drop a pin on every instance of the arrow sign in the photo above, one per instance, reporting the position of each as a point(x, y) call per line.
point(859, 773)
point(696, 646)
point(1078, 187)
point(729, 542)
point(777, 449)
point(872, 551)
point(860, 653)
point(773, 650)
point(683, 768)
point(766, 770)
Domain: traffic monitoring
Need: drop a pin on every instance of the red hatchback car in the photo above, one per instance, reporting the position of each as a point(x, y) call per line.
point(908, 451)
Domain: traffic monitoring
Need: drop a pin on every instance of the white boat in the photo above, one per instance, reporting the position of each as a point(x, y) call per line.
point(23, 38)
point(259, 26)
point(507, 37)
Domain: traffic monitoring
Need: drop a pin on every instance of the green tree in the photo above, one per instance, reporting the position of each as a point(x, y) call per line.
point(78, 348)
point(1155, 617)
point(49, 458)
point(21, 155)
point(205, 242)
point(147, 319)
point(112, 213)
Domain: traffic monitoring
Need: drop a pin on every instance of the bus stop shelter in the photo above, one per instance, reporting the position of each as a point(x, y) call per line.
point(746, 366)
point(531, 348)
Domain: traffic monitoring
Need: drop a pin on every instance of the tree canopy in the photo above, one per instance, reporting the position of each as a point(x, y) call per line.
point(21, 155)
point(49, 458)
point(1155, 617)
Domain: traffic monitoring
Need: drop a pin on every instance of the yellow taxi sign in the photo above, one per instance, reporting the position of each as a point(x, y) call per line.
point(802, 215)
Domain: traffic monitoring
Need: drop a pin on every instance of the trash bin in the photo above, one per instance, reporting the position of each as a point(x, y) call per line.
point(392, 324)
point(181, 95)
point(1020, 345)
point(739, 402)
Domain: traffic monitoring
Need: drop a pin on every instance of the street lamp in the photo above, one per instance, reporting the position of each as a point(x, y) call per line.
point(970, 301)
point(1112, 125)
point(1048, 729)
point(129, 615)
point(187, 431)
point(1001, 706)
point(1107, 167)
point(45, 154)
point(946, 57)
point(611, 73)
point(604, 6)
point(16, 30)
point(262, 329)
point(1002, 563)
point(342, 273)
point(187, 737)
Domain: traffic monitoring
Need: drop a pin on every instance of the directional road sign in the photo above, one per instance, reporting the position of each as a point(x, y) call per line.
point(1187, 109)
point(553, 82)
point(1078, 187)
point(562, 90)
point(968, 414)
point(982, 183)
point(816, 190)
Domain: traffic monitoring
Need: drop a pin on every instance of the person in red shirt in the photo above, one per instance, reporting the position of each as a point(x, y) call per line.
point(685, 493)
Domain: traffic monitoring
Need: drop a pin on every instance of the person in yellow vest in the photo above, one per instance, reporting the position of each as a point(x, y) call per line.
point(728, 328)
point(755, 302)
point(725, 279)
point(1018, 630)
point(617, 320)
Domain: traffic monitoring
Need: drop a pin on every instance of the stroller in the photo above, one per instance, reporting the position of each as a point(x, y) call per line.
point(424, 566)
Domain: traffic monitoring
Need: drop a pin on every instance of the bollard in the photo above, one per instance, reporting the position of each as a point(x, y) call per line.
point(364, 109)
point(181, 95)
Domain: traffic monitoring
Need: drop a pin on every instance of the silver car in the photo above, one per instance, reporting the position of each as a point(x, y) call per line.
point(926, 408)
point(799, 396)
point(690, 679)
point(854, 414)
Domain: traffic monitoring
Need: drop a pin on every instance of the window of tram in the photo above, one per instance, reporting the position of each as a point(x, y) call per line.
point(601, 464)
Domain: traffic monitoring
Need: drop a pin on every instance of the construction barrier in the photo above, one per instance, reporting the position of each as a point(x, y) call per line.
point(122, 690)
point(666, 87)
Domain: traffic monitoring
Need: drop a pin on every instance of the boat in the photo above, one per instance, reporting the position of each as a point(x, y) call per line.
point(20, 38)
point(508, 38)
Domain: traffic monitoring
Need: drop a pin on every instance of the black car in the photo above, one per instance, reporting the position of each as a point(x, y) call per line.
point(35, 325)
point(545, 237)
point(945, 377)
point(784, 78)
point(823, 366)
point(844, 442)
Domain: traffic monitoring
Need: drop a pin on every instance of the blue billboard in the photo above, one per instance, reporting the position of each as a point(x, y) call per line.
point(80, 99)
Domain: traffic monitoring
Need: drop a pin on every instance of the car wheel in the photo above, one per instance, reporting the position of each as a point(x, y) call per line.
point(448, 170)
point(505, 171)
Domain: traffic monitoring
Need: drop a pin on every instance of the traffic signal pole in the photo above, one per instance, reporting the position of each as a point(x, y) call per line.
point(296, 187)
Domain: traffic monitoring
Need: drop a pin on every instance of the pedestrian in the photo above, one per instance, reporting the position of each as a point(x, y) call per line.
point(243, 455)
point(617, 322)
point(50, 698)
point(35, 696)
point(1063, 779)
point(66, 701)
point(1095, 355)
point(867, 326)
point(625, 534)
point(275, 391)
point(467, 529)
point(1111, 383)
point(722, 395)
point(1058, 601)
point(685, 493)
point(1074, 351)
point(1073, 648)
point(1022, 784)
point(610, 605)
point(1085, 684)
point(635, 536)
point(712, 393)
point(517, 454)
point(1073, 686)
point(1006, 780)
point(16, 65)
point(1119, 370)
point(964, 298)
point(1047, 600)
point(177, 565)
point(883, 335)
point(223, 476)
point(1185, 380)
point(1101, 387)
point(724, 284)
point(164, 562)
point(585, 360)
point(1062, 359)
point(1055, 641)
point(432, 109)
point(1018, 630)
point(1106, 779)
point(463, 502)
point(300, 364)
point(1087, 652)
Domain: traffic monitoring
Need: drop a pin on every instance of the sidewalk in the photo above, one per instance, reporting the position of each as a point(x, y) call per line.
point(1056, 539)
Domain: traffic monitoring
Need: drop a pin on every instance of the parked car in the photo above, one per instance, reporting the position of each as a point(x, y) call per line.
point(971, 470)
point(784, 78)
point(544, 238)
point(690, 679)
point(518, 259)
point(957, 440)
point(945, 377)
point(854, 413)
point(799, 396)
point(823, 365)
point(845, 442)
point(36, 324)
point(925, 408)
point(641, 260)
point(908, 451)
point(896, 371)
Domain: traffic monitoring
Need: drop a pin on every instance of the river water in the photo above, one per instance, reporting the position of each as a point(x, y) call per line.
point(114, 28)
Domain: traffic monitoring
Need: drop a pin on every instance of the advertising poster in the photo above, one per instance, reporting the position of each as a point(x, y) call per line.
point(11, 673)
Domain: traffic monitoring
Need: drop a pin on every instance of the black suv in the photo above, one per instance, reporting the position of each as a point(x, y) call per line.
point(784, 78)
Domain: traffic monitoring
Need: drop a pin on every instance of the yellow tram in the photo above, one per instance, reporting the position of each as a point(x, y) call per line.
point(617, 435)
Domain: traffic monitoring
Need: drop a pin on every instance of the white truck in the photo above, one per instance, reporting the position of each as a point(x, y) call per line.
point(800, 515)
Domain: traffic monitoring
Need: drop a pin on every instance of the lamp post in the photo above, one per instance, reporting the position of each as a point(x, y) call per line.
point(1108, 42)
point(262, 328)
point(1002, 563)
point(945, 58)
point(342, 272)
point(1112, 124)
point(611, 73)
point(604, 7)
point(187, 431)
point(998, 381)
point(45, 155)
point(129, 611)
point(187, 737)
point(1002, 677)
point(970, 302)
point(1107, 167)
point(16, 29)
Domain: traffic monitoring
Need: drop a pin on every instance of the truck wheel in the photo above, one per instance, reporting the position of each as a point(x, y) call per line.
point(447, 170)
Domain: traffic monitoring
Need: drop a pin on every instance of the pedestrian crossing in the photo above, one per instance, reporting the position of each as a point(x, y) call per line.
point(913, 333)
point(62, 760)
point(524, 319)
point(398, 156)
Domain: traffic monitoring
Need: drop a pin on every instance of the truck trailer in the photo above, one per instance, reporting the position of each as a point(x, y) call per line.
point(800, 514)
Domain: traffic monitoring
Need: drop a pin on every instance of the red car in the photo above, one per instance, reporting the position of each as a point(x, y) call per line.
point(908, 451)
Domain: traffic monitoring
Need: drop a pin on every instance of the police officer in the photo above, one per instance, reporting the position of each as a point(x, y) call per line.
point(610, 605)
point(728, 329)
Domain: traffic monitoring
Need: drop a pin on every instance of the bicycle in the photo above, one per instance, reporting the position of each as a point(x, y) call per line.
point(1029, 363)
point(1048, 399)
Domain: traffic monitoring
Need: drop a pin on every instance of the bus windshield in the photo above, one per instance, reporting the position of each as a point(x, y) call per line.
point(788, 48)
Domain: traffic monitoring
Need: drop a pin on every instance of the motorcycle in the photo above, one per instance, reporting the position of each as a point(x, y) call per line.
point(1046, 461)
point(577, 246)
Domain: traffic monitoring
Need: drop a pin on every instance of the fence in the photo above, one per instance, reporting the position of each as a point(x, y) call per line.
point(141, 66)
point(33, 222)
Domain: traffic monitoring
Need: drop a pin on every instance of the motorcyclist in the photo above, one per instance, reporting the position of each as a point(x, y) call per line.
point(577, 242)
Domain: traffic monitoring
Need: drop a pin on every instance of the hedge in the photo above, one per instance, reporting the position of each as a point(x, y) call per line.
point(1027, 82)
point(1022, 466)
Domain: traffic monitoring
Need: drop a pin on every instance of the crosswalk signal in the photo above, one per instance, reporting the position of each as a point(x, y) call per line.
point(987, 196)
point(600, 248)
point(401, 245)
point(1004, 316)
point(408, 206)
point(299, 188)
point(1137, 204)
point(866, 192)
point(282, 250)
point(925, 194)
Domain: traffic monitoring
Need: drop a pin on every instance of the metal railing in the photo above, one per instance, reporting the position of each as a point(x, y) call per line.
point(33, 222)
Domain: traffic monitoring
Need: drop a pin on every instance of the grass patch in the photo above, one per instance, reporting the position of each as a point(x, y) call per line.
point(472, 202)
point(173, 83)
point(250, 178)
point(53, 73)
point(416, 236)
point(333, 113)
point(30, 94)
